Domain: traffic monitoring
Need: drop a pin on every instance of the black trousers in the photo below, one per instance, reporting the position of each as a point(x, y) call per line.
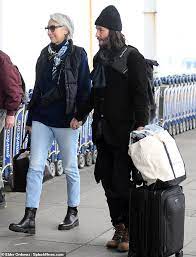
point(113, 168)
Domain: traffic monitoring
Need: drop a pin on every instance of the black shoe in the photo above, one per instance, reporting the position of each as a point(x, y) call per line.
point(27, 224)
point(71, 219)
point(2, 199)
point(132, 250)
point(132, 254)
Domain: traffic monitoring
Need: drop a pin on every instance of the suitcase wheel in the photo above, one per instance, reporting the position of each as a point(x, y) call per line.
point(180, 254)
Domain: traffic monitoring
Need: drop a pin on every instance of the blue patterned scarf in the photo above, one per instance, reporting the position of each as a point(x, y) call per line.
point(57, 57)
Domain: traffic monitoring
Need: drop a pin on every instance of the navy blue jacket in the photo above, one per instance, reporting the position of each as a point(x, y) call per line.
point(54, 115)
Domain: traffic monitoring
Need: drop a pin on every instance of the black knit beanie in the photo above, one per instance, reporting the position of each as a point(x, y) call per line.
point(110, 19)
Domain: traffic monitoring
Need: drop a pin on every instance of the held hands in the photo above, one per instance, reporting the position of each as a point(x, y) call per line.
point(140, 128)
point(75, 124)
point(9, 122)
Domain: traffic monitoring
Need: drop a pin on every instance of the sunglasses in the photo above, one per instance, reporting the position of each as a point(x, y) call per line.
point(53, 27)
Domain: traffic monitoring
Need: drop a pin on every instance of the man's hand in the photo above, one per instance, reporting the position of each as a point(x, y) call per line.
point(9, 122)
point(28, 128)
point(75, 124)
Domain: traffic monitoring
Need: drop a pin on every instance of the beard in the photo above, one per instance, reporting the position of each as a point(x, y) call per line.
point(105, 51)
point(104, 43)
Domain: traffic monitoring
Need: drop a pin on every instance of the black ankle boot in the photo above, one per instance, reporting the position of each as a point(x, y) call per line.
point(71, 219)
point(27, 224)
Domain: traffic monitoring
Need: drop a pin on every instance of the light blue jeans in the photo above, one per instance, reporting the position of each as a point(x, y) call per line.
point(41, 140)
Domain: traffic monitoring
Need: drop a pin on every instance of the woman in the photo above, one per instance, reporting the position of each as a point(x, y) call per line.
point(62, 84)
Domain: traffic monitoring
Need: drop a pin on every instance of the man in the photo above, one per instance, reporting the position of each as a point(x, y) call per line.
point(10, 99)
point(120, 102)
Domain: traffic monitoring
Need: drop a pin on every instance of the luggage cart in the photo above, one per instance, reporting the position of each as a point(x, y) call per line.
point(50, 163)
point(89, 143)
point(157, 83)
point(82, 147)
point(194, 105)
point(178, 113)
point(167, 109)
point(181, 108)
point(58, 161)
point(24, 128)
point(18, 130)
point(11, 146)
point(7, 171)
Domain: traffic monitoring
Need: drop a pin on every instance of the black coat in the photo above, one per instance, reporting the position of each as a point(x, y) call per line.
point(122, 105)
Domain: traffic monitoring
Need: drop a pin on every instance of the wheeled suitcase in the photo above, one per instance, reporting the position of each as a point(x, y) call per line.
point(156, 222)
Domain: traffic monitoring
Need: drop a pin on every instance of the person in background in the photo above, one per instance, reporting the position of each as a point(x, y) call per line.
point(62, 85)
point(10, 99)
point(120, 103)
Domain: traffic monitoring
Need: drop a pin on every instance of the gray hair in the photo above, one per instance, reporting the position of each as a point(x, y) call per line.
point(64, 20)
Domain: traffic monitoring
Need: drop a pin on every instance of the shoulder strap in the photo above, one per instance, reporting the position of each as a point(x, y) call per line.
point(72, 58)
point(120, 63)
point(75, 57)
point(71, 61)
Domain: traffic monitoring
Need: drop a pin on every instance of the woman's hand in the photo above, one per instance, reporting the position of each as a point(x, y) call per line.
point(9, 121)
point(140, 128)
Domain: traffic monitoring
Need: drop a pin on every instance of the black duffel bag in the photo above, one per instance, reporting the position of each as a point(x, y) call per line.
point(20, 167)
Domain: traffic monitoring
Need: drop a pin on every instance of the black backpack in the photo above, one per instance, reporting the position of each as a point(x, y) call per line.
point(120, 65)
point(151, 89)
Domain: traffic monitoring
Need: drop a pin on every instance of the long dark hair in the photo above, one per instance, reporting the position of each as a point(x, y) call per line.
point(116, 40)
